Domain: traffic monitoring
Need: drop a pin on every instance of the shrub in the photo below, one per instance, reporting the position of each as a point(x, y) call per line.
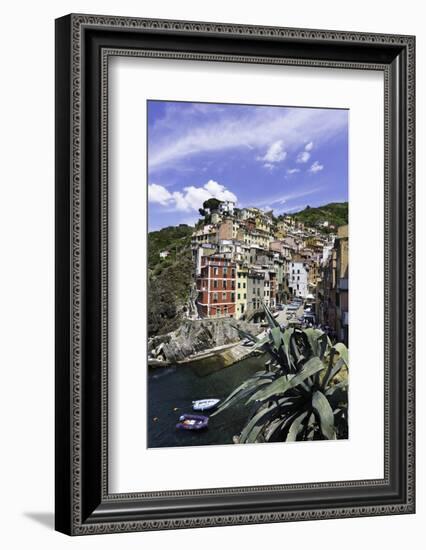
point(303, 392)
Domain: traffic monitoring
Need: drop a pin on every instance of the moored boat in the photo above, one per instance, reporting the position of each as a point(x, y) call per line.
point(204, 404)
point(192, 422)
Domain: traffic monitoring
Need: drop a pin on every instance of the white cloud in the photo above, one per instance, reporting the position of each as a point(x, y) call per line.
point(316, 167)
point(271, 201)
point(295, 208)
point(303, 157)
point(219, 191)
point(257, 128)
point(191, 197)
point(158, 194)
point(293, 170)
point(274, 154)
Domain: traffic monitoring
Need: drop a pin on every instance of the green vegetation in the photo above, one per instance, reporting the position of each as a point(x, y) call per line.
point(169, 238)
point(303, 392)
point(209, 206)
point(336, 213)
point(169, 279)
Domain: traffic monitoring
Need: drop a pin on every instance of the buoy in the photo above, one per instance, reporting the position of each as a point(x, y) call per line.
point(155, 419)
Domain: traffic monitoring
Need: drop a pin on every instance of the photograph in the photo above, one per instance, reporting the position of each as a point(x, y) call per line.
point(217, 184)
point(248, 273)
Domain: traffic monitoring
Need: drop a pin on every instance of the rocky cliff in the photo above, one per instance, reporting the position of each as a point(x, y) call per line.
point(195, 336)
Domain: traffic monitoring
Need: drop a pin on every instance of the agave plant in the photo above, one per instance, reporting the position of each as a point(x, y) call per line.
point(303, 392)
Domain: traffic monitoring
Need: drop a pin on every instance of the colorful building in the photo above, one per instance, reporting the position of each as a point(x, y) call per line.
point(299, 278)
point(241, 290)
point(216, 287)
point(342, 284)
point(255, 290)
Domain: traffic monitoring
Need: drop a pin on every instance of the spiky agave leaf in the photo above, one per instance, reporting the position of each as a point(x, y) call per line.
point(304, 347)
point(275, 407)
point(296, 426)
point(247, 384)
point(310, 428)
point(258, 418)
point(342, 350)
point(331, 373)
point(286, 382)
point(243, 334)
point(337, 392)
point(279, 427)
point(324, 343)
point(296, 349)
point(271, 345)
point(273, 323)
point(303, 381)
point(288, 364)
point(276, 338)
point(272, 426)
point(323, 409)
point(261, 343)
point(334, 366)
point(318, 341)
point(259, 379)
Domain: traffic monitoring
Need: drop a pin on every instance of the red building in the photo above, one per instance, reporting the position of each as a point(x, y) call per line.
point(216, 287)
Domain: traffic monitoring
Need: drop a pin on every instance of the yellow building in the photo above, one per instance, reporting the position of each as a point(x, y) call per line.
point(241, 290)
point(257, 238)
point(281, 230)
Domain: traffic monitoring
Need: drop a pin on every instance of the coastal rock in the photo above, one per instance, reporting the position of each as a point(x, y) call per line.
point(194, 336)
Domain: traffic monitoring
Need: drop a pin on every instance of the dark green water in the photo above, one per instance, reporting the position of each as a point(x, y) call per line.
point(177, 387)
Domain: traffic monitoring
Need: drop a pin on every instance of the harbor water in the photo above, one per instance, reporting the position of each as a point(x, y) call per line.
point(171, 391)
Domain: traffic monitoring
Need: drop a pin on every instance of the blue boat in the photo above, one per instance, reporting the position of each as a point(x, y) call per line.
point(192, 422)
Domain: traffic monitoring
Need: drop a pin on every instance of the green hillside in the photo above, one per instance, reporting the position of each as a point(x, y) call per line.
point(169, 279)
point(336, 213)
point(169, 238)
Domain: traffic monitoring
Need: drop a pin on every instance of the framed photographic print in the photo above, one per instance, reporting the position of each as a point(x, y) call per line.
point(234, 274)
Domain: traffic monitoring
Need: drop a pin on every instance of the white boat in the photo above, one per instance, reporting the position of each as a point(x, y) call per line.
point(204, 404)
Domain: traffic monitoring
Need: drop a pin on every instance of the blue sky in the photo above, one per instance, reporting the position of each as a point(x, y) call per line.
point(280, 158)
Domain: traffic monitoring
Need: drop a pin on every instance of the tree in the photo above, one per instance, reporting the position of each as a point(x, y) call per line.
point(211, 204)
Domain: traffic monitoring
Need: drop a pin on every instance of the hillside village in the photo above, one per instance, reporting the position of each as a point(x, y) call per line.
point(246, 257)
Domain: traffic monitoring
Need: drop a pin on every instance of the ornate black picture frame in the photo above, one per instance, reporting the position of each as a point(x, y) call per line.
point(83, 45)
